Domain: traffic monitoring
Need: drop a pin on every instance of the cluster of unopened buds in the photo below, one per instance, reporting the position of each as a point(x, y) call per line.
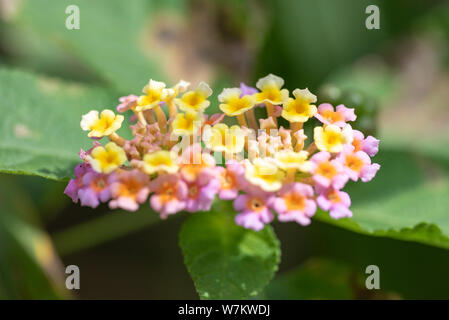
point(181, 159)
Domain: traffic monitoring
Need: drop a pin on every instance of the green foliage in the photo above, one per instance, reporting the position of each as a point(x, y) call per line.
point(40, 123)
point(310, 40)
point(227, 261)
point(408, 270)
point(307, 42)
point(340, 37)
point(26, 252)
point(110, 33)
point(407, 200)
point(315, 279)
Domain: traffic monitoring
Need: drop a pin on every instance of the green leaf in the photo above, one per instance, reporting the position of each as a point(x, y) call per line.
point(315, 279)
point(408, 270)
point(29, 266)
point(304, 51)
point(308, 40)
point(40, 123)
point(227, 261)
point(407, 200)
point(111, 40)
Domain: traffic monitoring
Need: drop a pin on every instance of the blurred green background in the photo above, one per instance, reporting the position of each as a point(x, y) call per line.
point(396, 77)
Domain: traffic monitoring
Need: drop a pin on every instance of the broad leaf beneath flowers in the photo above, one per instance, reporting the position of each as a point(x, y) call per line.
point(227, 261)
point(40, 123)
point(315, 279)
point(407, 200)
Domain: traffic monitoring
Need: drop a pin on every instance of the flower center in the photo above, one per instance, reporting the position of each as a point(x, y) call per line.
point(357, 145)
point(186, 123)
point(129, 188)
point(102, 124)
point(193, 99)
point(327, 170)
point(98, 184)
point(228, 181)
point(255, 204)
point(167, 192)
point(153, 96)
point(300, 106)
point(332, 138)
point(332, 116)
point(238, 103)
point(107, 158)
point(333, 196)
point(191, 171)
point(193, 191)
point(295, 202)
point(354, 163)
point(270, 93)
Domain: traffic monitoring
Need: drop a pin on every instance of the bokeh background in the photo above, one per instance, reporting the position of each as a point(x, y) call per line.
point(396, 77)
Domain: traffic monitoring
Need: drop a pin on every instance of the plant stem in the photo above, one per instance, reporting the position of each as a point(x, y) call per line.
point(252, 119)
point(161, 118)
point(149, 116)
point(141, 118)
point(242, 120)
point(312, 148)
point(117, 139)
point(270, 111)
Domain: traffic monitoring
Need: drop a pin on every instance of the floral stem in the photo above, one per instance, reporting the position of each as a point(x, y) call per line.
point(270, 111)
point(161, 118)
point(149, 116)
point(141, 118)
point(172, 142)
point(172, 110)
point(242, 120)
point(290, 175)
point(295, 127)
point(117, 139)
point(312, 148)
point(252, 119)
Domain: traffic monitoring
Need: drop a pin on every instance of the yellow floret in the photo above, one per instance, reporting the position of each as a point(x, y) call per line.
point(195, 100)
point(107, 159)
point(104, 125)
point(299, 109)
point(161, 160)
point(188, 123)
point(232, 104)
point(271, 92)
point(155, 92)
point(222, 138)
point(290, 159)
point(332, 138)
point(264, 172)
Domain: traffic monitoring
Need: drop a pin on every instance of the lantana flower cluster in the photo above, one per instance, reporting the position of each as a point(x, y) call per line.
point(181, 159)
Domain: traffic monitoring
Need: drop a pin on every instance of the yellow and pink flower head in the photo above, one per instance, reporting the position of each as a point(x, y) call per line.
point(181, 159)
